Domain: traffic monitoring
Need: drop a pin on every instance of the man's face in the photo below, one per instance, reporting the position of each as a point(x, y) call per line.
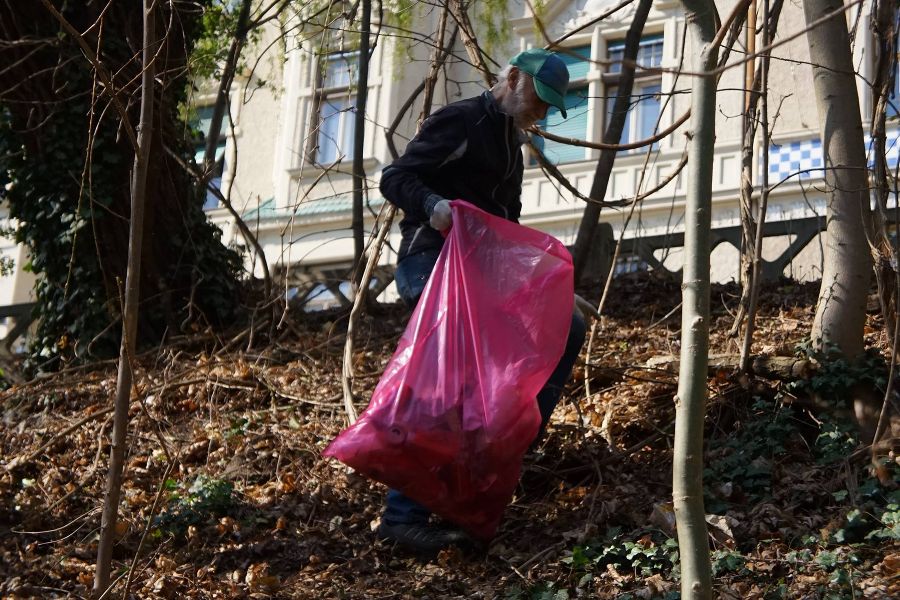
point(524, 105)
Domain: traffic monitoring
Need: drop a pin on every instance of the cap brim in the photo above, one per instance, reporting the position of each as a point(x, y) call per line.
point(550, 96)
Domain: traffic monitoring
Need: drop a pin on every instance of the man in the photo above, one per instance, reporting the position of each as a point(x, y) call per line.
point(470, 150)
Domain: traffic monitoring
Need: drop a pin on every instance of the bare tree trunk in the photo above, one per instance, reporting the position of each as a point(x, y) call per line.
point(459, 9)
point(690, 403)
point(748, 201)
point(841, 307)
point(437, 63)
point(613, 135)
point(883, 252)
point(359, 137)
point(438, 59)
point(229, 68)
point(752, 218)
point(130, 310)
point(221, 105)
point(96, 51)
point(751, 287)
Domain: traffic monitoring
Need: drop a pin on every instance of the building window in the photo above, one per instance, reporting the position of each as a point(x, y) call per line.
point(644, 107)
point(575, 126)
point(335, 112)
point(201, 125)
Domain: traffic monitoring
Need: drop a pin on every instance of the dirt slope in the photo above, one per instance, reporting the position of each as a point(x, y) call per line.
point(227, 487)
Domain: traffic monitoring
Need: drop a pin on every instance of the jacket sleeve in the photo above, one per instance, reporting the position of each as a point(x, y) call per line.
point(441, 139)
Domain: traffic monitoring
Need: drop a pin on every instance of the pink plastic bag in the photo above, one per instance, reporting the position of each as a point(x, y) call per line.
point(456, 409)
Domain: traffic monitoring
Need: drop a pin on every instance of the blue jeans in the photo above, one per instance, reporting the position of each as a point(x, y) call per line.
point(411, 276)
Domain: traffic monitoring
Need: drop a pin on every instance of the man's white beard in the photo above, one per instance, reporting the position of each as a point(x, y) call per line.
point(517, 104)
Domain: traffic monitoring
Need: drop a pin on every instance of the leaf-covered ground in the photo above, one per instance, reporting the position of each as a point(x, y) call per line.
point(227, 495)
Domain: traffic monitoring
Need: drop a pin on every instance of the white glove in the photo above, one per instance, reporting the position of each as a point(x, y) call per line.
point(440, 216)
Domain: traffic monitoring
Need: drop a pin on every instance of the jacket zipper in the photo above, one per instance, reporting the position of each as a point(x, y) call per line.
point(510, 165)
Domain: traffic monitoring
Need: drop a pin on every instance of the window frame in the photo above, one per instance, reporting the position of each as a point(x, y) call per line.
point(611, 78)
point(342, 94)
point(582, 83)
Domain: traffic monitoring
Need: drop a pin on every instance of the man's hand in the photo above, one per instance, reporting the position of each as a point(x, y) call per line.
point(440, 216)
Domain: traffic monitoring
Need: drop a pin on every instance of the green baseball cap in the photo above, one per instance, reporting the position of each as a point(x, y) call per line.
point(550, 74)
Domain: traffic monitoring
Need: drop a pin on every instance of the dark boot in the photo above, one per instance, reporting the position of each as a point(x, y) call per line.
point(422, 539)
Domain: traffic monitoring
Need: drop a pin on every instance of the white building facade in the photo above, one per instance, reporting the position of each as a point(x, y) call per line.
point(288, 150)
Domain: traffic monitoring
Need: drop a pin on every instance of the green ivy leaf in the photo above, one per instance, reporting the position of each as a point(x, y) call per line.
point(826, 559)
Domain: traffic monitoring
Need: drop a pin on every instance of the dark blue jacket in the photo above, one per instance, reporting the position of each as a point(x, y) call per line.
point(467, 150)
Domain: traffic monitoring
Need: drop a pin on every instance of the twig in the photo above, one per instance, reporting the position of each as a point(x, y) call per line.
point(882, 416)
point(524, 566)
point(387, 216)
point(55, 529)
point(461, 15)
point(375, 253)
point(61, 435)
point(238, 220)
point(78, 486)
point(137, 553)
point(328, 403)
point(111, 586)
point(667, 315)
point(555, 43)
point(99, 69)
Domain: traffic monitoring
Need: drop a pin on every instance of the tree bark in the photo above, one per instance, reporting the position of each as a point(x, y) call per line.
point(77, 159)
point(459, 10)
point(690, 402)
point(130, 310)
point(884, 253)
point(780, 368)
point(748, 203)
point(761, 206)
point(841, 307)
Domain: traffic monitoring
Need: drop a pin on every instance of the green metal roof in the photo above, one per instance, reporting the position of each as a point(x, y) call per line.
point(339, 203)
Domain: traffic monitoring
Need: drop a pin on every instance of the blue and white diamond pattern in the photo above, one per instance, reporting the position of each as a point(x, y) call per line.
point(892, 149)
point(803, 159)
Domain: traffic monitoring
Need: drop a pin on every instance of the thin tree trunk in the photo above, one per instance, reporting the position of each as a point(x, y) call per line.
point(437, 63)
point(359, 138)
point(748, 201)
point(438, 59)
point(459, 9)
point(690, 403)
point(130, 311)
point(751, 216)
point(883, 252)
point(613, 135)
point(751, 289)
point(238, 41)
point(841, 307)
point(221, 105)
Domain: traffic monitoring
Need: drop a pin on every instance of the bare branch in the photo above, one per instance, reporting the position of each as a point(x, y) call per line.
point(602, 146)
point(101, 72)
